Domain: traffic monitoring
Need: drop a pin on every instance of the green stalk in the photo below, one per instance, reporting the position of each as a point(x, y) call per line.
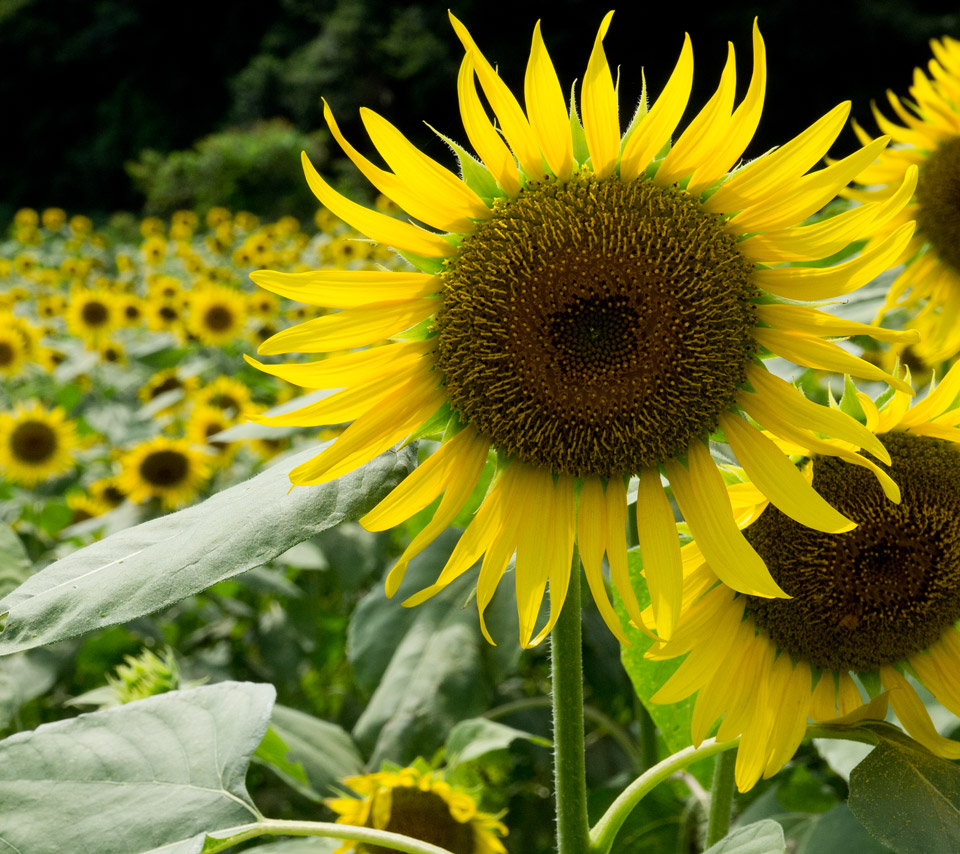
point(566, 661)
point(605, 830)
point(721, 798)
point(221, 840)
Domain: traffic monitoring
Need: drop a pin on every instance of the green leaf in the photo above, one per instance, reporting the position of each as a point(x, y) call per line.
point(14, 562)
point(143, 569)
point(316, 754)
point(839, 832)
point(648, 676)
point(423, 665)
point(906, 797)
point(28, 675)
point(763, 837)
point(471, 739)
point(137, 777)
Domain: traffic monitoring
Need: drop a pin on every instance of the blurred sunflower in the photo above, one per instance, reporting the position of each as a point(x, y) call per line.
point(169, 469)
point(12, 352)
point(36, 443)
point(224, 393)
point(418, 803)
point(166, 381)
point(216, 315)
point(92, 314)
point(107, 491)
point(929, 286)
point(881, 599)
point(594, 310)
point(207, 421)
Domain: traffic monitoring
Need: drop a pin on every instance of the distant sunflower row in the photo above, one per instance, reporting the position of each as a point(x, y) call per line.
point(118, 353)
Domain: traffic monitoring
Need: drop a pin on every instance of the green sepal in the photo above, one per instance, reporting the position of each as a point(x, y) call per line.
point(474, 174)
point(434, 427)
point(581, 153)
point(642, 109)
point(849, 403)
point(433, 266)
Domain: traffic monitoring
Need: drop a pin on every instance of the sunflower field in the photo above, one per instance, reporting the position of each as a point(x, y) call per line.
point(593, 490)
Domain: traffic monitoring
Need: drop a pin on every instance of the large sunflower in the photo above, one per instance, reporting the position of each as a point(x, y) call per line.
point(36, 443)
point(929, 286)
point(882, 600)
point(420, 804)
point(593, 310)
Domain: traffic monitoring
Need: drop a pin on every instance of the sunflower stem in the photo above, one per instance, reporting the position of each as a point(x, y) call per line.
point(566, 660)
point(721, 798)
point(605, 830)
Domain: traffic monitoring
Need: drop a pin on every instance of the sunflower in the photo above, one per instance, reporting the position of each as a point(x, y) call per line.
point(420, 804)
point(12, 352)
point(36, 443)
point(166, 381)
point(169, 469)
point(929, 286)
point(107, 491)
point(92, 314)
point(225, 393)
point(207, 421)
point(594, 309)
point(216, 315)
point(881, 600)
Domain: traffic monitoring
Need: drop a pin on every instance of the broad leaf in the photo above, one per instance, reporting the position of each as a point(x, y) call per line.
point(471, 739)
point(149, 775)
point(839, 832)
point(143, 569)
point(321, 753)
point(28, 675)
point(424, 665)
point(906, 797)
point(763, 837)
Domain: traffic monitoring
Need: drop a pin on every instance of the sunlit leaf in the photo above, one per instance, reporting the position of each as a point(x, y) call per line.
point(147, 776)
point(762, 837)
point(143, 569)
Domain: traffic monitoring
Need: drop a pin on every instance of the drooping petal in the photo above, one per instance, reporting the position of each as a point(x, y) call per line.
point(547, 109)
point(660, 549)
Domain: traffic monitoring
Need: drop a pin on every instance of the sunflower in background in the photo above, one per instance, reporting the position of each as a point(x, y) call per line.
point(929, 286)
point(417, 802)
point(881, 600)
point(36, 443)
point(216, 314)
point(591, 306)
point(205, 422)
point(171, 470)
point(12, 352)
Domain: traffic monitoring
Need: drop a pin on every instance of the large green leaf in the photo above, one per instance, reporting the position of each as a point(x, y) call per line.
point(762, 837)
point(150, 775)
point(471, 739)
point(906, 797)
point(322, 752)
point(146, 568)
point(28, 675)
point(424, 665)
point(839, 832)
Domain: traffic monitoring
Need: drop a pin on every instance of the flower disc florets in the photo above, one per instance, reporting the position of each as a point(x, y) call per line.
point(885, 590)
point(596, 326)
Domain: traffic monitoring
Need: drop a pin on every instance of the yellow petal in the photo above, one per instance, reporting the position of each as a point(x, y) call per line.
point(547, 109)
point(779, 479)
point(601, 118)
point(823, 355)
point(661, 120)
point(591, 540)
point(394, 420)
point(349, 369)
point(769, 174)
point(482, 135)
point(461, 481)
point(347, 288)
point(703, 499)
point(516, 129)
point(804, 320)
point(938, 400)
point(698, 142)
point(421, 173)
point(377, 226)
point(795, 408)
point(660, 549)
point(352, 327)
point(616, 502)
point(739, 129)
point(909, 709)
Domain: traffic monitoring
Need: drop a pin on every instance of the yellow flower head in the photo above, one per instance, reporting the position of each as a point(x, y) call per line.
point(216, 315)
point(166, 381)
point(883, 598)
point(36, 443)
point(169, 469)
point(207, 421)
point(92, 314)
point(591, 305)
point(12, 352)
point(225, 393)
point(929, 286)
point(420, 804)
